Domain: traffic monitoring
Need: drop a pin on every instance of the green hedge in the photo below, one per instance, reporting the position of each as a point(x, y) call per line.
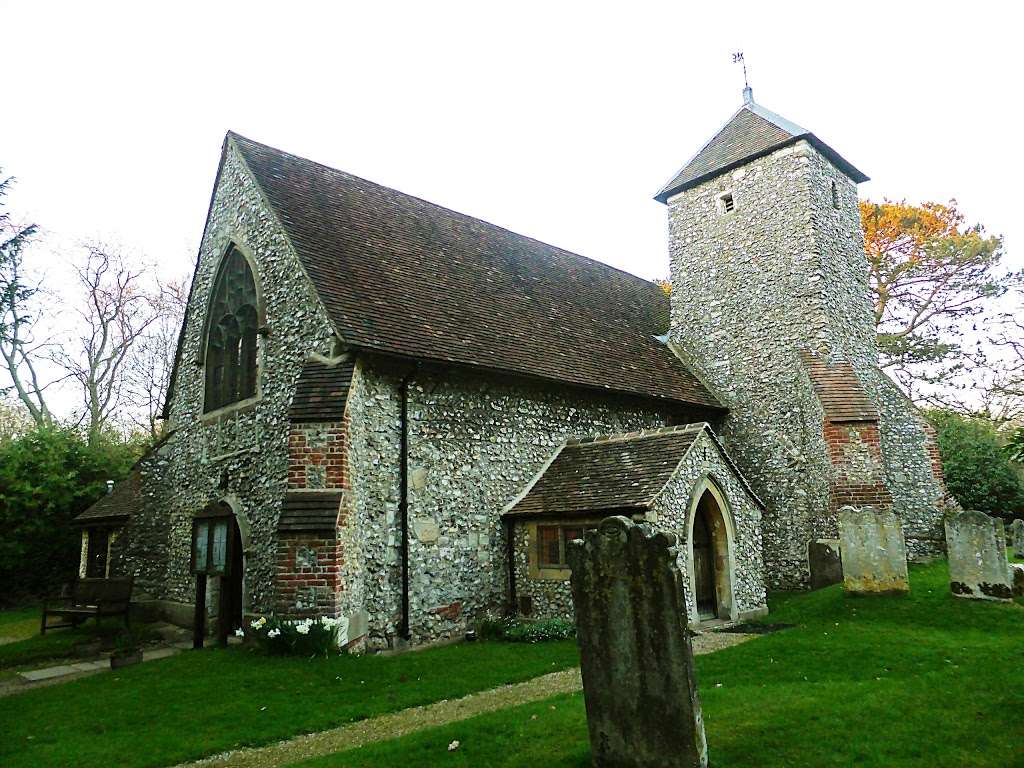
point(47, 477)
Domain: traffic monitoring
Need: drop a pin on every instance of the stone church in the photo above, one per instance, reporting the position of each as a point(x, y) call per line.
point(406, 413)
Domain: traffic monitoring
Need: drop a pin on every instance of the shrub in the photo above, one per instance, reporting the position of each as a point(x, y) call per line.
point(47, 476)
point(523, 631)
point(977, 469)
point(306, 637)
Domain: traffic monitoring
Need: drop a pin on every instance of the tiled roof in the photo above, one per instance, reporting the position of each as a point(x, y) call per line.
point(750, 133)
point(312, 512)
point(614, 472)
point(840, 392)
point(608, 472)
point(117, 506)
point(321, 391)
point(402, 276)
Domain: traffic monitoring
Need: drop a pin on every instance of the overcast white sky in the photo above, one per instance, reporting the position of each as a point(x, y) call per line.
point(557, 120)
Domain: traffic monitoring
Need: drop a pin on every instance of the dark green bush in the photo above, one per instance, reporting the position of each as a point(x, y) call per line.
point(47, 477)
point(976, 465)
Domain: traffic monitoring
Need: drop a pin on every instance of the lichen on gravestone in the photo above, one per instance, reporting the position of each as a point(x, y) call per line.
point(873, 551)
point(976, 547)
point(643, 709)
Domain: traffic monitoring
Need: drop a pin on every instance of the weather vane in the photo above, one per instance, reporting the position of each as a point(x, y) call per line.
point(737, 58)
point(748, 94)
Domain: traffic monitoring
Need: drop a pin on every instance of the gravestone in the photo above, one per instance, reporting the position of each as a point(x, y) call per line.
point(976, 547)
point(1017, 537)
point(1017, 577)
point(643, 710)
point(873, 550)
point(826, 566)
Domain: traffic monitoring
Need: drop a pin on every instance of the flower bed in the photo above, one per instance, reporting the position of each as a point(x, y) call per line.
point(304, 637)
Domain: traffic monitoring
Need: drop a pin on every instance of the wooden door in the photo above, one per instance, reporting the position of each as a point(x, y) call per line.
point(231, 585)
point(704, 568)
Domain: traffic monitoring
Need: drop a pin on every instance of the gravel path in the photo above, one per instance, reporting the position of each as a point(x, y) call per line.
point(408, 720)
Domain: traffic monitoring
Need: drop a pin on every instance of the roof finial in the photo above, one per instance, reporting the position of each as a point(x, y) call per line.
point(748, 92)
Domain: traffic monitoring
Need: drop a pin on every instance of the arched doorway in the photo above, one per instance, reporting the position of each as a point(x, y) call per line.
point(711, 561)
point(705, 590)
point(225, 595)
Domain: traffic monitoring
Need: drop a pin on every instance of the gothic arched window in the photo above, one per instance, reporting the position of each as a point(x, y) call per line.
point(231, 330)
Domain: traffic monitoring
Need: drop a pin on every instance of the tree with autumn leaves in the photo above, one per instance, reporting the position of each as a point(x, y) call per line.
point(949, 316)
point(943, 304)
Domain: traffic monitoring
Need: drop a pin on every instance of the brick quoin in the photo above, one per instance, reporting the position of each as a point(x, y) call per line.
point(850, 486)
point(318, 445)
point(296, 577)
point(932, 445)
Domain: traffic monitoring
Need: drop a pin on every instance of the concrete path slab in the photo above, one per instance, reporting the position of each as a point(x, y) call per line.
point(160, 653)
point(48, 673)
point(92, 665)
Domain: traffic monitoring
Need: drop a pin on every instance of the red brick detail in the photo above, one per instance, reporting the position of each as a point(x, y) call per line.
point(451, 612)
point(308, 578)
point(931, 442)
point(856, 452)
point(318, 456)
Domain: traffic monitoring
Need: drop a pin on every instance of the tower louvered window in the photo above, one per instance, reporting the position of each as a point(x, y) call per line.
point(232, 328)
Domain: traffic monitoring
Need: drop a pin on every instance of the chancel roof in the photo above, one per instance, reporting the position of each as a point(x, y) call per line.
point(401, 276)
point(751, 132)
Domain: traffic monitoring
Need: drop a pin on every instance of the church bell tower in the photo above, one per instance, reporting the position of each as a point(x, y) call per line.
point(771, 308)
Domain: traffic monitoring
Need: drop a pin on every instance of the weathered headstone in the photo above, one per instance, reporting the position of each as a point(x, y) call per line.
point(1017, 537)
point(873, 550)
point(643, 710)
point(976, 547)
point(1017, 577)
point(826, 566)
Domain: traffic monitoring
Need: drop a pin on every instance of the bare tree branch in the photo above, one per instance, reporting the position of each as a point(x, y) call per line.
point(115, 314)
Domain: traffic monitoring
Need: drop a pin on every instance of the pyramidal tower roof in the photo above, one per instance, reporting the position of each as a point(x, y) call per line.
point(751, 132)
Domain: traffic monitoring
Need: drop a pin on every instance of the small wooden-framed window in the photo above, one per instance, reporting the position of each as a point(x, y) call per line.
point(835, 195)
point(552, 541)
point(726, 203)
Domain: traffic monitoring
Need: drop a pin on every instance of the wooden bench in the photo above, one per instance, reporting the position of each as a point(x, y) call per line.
point(90, 599)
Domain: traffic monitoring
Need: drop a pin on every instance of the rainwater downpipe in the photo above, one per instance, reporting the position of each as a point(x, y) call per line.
point(403, 500)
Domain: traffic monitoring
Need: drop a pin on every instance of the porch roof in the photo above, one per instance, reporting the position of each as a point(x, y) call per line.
point(116, 507)
point(611, 474)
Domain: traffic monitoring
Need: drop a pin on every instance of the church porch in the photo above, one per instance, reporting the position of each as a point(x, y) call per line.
point(677, 480)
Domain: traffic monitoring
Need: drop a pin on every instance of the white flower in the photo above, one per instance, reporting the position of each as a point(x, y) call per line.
point(453, 746)
point(275, 632)
point(258, 623)
point(302, 629)
point(239, 632)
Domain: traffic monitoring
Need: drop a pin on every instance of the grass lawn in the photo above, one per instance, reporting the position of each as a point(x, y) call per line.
point(33, 649)
point(923, 680)
point(203, 702)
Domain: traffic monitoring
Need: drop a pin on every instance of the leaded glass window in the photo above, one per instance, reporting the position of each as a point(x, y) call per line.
point(231, 334)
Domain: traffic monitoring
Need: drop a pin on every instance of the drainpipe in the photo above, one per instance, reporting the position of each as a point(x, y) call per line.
point(510, 549)
point(403, 500)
